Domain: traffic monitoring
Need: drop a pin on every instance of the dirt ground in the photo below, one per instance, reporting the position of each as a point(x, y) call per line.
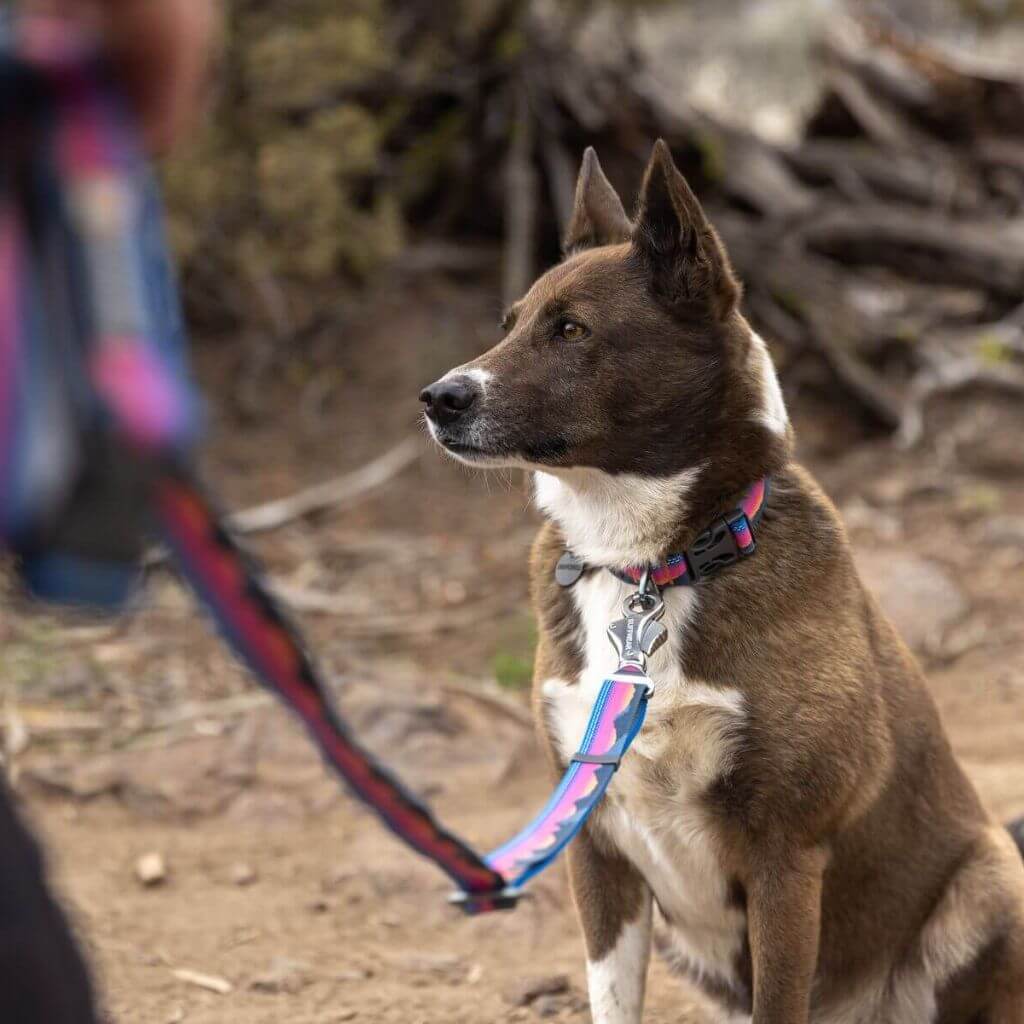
point(142, 736)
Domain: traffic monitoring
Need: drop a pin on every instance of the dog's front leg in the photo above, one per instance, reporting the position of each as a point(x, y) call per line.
point(783, 921)
point(614, 907)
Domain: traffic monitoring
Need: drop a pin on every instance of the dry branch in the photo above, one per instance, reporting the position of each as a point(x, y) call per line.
point(340, 492)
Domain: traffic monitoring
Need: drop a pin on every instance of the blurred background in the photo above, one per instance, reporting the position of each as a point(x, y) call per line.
point(372, 181)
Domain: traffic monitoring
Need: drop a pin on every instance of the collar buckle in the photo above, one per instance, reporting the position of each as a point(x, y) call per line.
point(717, 547)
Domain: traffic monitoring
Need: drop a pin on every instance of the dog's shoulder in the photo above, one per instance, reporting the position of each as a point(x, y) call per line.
point(557, 618)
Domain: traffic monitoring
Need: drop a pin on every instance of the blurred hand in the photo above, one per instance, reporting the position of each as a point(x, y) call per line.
point(161, 49)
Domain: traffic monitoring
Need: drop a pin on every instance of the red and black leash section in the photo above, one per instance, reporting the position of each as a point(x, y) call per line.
point(228, 582)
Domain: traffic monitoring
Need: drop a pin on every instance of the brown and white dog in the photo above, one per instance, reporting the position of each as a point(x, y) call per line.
point(791, 807)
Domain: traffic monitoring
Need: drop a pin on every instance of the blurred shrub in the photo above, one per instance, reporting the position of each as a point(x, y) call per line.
point(340, 125)
point(286, 178)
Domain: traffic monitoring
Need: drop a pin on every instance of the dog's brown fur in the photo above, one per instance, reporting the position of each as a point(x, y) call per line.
point(868, 876)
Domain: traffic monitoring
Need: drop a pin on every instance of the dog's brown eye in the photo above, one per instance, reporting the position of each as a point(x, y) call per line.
point(572, 331)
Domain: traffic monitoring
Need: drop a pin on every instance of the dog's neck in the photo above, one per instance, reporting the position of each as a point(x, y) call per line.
point(615, 520)
point(624, 519)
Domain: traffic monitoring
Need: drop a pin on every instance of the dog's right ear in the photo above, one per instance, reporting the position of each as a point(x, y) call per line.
point(598, 216)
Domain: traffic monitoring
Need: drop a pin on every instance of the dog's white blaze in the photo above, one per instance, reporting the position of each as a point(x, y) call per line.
point(616, 982)
point(691, 726)
point(614, 519)
point(773, 413)
point(477, 373)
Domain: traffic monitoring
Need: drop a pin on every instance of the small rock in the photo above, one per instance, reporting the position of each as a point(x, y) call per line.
point(151, 869)
point(1001, 531)
point(284, 975)
point(549, 1006)
point(346, 1013)
point(919, 595)
point(243, 874)
point(337, 876)
point(440, 964)
point(889, 490)
point(527, 991)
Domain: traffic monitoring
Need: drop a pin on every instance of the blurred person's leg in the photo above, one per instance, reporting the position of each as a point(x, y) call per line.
point(42, 976)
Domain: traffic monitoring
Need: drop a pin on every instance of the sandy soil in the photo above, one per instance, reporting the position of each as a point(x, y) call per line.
point(144, 737)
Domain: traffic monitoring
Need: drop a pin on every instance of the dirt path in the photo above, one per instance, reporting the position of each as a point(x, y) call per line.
point(144, 737)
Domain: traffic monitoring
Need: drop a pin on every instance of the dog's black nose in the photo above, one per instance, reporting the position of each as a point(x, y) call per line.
point(449, 398)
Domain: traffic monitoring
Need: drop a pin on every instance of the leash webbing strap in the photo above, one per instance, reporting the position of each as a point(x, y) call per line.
point(268, 644)
point(615, 719)
point(102, 358)
point(260, 634)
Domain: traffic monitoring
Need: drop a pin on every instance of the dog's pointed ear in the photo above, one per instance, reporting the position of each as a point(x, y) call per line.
point(598, 216)
point(688, 267)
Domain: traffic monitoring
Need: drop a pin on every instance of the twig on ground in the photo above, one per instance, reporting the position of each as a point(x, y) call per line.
point(196, 710)
point(389, 624)
point(493, 701)
point(947, 378)
point(340, 492)
point(210, 982)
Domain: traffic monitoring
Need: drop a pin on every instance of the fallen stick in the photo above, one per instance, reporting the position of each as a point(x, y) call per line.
point(340, 492)
point(492, 701)
point(475, 690)
point(320, 602)
point(953, 375)
point(210, 982)
point(857, 379)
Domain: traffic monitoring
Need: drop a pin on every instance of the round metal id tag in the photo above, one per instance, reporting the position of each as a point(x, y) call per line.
point(569, 569)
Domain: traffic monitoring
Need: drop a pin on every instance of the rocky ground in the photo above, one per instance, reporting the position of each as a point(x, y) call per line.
point(214, 869)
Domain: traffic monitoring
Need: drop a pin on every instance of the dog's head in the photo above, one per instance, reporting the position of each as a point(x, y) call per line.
point(628, 356)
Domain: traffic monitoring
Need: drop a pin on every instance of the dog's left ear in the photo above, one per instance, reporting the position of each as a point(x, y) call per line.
point(688, 267)
point(598, 217)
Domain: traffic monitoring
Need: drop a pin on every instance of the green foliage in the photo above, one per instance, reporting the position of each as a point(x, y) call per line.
point(334, 123)
point(512, 663)
point(513, 671)
point(283, 180)
point(992, 349)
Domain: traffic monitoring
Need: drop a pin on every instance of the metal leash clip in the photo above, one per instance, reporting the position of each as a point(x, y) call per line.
point(639, 633)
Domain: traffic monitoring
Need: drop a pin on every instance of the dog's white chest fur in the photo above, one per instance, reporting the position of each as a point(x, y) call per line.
point(652, 813)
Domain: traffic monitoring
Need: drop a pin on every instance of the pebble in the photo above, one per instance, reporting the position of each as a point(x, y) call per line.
point(918, 594)
point(151, 869)
point(529, 990)
point(243, 874)
point(284, 975)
